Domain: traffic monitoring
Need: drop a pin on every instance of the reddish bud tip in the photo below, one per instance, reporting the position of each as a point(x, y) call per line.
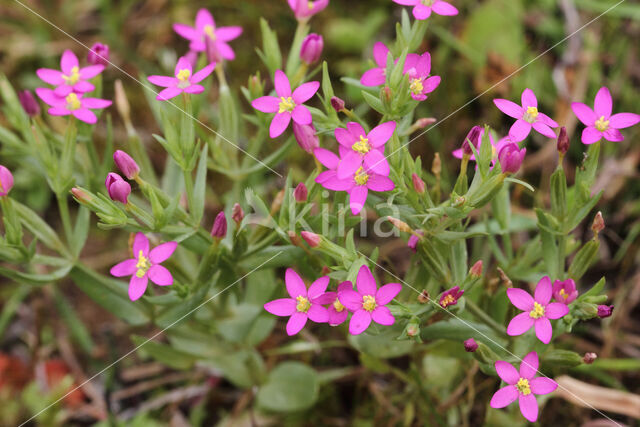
point(423, 298)
point(6, 181)
point(118, 188)
point(418, 184)
point(29, 103)
point(563, 141)
point(476, 269)
point(98, 55)
point(605, 311)
point(306, 137)
point(300, 193)
point(473, 137)
point(589, 358)
point(337, 104)
point(80, 195)
point(470, 345)
point(126, 164)
point(311, 48)
point(219, 229)
point(237, 214)
point(312, 239)
point(598, 223)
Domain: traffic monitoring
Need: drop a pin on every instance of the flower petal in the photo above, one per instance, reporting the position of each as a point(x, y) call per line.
point(49, 97)
point(183, 64)
point(350, 299)
point(528, 99)
point(386, 293)
point(160, 275)
point(68, 61)
point(344, 137)
point(543, 329)
point(168, 93)
point(47, 75)
point(547, 120)
point(382, 315)
point(360, 321)
point(140, 243)
point(318, 287)
point(91, 71)
point(318, 313)
point(529, 365)
point(356, 130)
point(519, 130)
point(330, 181)
point(137, 286)
point(431, 83)
point(326, 157)
point(95, 103)
point(543, 129)
point(520, 298)
point(380, 134)
point(194, 89)
point(556, 310)
point(603, 103)
point(376, 162)
point(349, 164)
point(164, 81)
point(590, 135)
point(357, 198)
point(380, 183)
point(421, 12)
point(510, 108)
point(373, 77)
point(623, 120)
point(202, 74)
point(296, 322)
point(305, 91)
point(520, 324)
point(279, 124)
point(204, 18)
point(226, 34)
point(281, 307)
point(185, 31)
point(542, 385)
point(162, 252)
point(380, 53)
point(266, 104)
point(124, 268)
point(504, 397)
point(529, 407)
point(337, 318)
point(301, 115)
point(613, 135)
point(507, 372)
point(365, 282)
point(295, 285)
point(85, 115)
point(584, 113)
point(543, 291)
point(444, 8)
point(281, 82)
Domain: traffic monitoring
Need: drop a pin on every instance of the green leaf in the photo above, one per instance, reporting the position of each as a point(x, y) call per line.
point(39, 228)
point(163, 353)
point(270, 53)
point(373, 102)
point(199, 189)
point(383, 345)
point(290, 387)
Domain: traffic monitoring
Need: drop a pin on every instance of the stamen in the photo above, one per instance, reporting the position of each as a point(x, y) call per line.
point(602, 124)
point(362, 146)
point(210, 31)
point(563, 294)
point(73, 103)
point(74, 77)
point(303, 304)
point(416, 86)
point(447, 300)
point(523, 386)
point(361, 177)
point(531, 114)
point(537, 312)
point(142, 265)
point(369, 302)
point(286, 104)
point(337, 305)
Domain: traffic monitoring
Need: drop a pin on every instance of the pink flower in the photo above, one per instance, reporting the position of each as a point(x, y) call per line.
point(450, 297)
point(304, 9)
point(368, 303)
point(286, 105)
point(183, 80)
point(377, 76)
point(599, 121)
point(6, 181)
point(145, 266)
point(495, 147)
point(420, 83)
point(311, 48)
point(302, 305)
point(98, 54)
point(72, 78)
point(306, 137)
point(565, 291)
point(206, 29)
point(510, 157)
point(338, 313)
point(357, 185)
point(422, 8)
point(537, 311)
point(72, 103)
point(527, 117)
point(118, 188)
point(360, 149)
point(412, 243)
point(522, 386)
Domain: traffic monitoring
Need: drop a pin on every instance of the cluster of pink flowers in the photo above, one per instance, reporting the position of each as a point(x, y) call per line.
point(367, 302)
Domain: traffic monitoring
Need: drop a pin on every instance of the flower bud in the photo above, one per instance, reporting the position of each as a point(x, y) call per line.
point(311, 48)
point(598, 223)
point(413, 240)
point(306, 137)
point(256, 86)
point(98, 55)
point(473, 137)
point(563, 141)
point(300, 193)
point(423, 298)
point(589, 358)
point(470, 345)
point(294, 238)
point(510, 157)
point(118, 188)
point(418, 184)
point(605, 311)
point(237, 214)
point(337, 104)
point(386, 94)
point(400, 225)
point(423, 122)
point(312, 239)
point(436, 166)
point(29, 103)
point(413, 330)
point(219, 229)
point(505, 279)
point(451, 297)
point(6, 181)
point(126, 164)
point(80, 195)
point(476, 270)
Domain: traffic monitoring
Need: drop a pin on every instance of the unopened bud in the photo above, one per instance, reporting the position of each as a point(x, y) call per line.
point(505, 279)
point(605, 311)
point(476, 269)
point(6, 180)
point(470, 345)
point(311, 48)
point(386, 94)
point(589, 358)
point(312, 239)
point(80, 195)
point(118, 188)
point(598, 223)
point(98, 54)
point(219, 229)
point(306, 137)
point(436, 166)
point(126, 164)
point(423, 122)
point(418, 184)
point(400, 225)
point(29, 103)
point(423, 298)
point(277, 202)
point(300, 193)
point(237, 214)
point(255, 85)
point(473, 137)
point(563, 141)
point(337, 104)
point(412, 243)
point(413, 330)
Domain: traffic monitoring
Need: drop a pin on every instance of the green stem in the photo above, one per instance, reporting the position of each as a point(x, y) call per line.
point(188, 185)
point(63, 207)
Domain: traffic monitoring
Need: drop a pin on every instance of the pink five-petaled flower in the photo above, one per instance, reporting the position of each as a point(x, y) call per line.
point(451, 297)
point(183, 81)
point(522, 386)
point(72, 78)
point(368, 302)
point(206, 29)
point(74, 104)
point(527, 117)
point(358, 148)
point(338, 313)
point(599, 121)
point(145, 265)
point(377, 76)
point(286, 105)
point(302, 305)
point(420, 82)
point(422, 8)
point(565, 291)
point(357, 185)
point(304, 9)
point(537, 310)
point(495, 147)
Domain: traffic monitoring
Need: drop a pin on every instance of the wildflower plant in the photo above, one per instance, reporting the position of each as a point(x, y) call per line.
point(296, 244)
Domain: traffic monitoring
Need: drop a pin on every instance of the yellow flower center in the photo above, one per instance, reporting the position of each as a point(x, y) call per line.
point(210, 31)
point(531, 114)
point(416, 86)
point(143, 265)
point(74, 77)
point(369, 302)
point(523, 386)
point(286, 104)
point(563, 294)
point(447, 300)
point(602, 124)
point(427, 2)
point(2, 189)
point(310, 5)
point(183, 75)
point(361, 177)
point(73, 103)
point(362, 146)
point(337, 305)
point(537, 312)
point(303, 304)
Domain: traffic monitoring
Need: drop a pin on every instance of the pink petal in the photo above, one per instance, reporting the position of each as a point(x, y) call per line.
point(279, 124)
point(318, 287)
point(226, 34)
point(336, 318)
point(160, 275)
point(168, 93)
point(330, 181)
point(283, 88)
point(407, 2)
point(296, 323)
point(458, 154)
point(376, 162)
point(202, 74)
point(623, 120)
point(423, 65)
point(49, 97)
point(344, 137)
point(281, 307)
point(509, 108)
point(520, 298)
point(68, 61)
point(380, 53)
point(63, 90)
point(543, 329)
point(542, 385)
point(266, 104)
point(357, 198)
point(295, 285)
point(380, 134)
point(85, 115)
point(183, 64)
point(584, 113)
point(529, 365)
point(58, 111)
point(507, 372)
point(305, 91)
point(504, 397)
point(382, 316)
point(47, 75)
point(430, 84)
point(529, 407)
point(360, 321)
point(350, 299)
point(543, 129)
point(421, 12)
point(194, 89)
point(386, 293)
point(380, 183)
point(345, 286)
point(124, 268)
point(543, 291)
point(603, 103)
point(613, 135)
point(410, 62)
point(90, 71)
point(590, 135)
point(137, 286)
point(444, 8)
point(556, 310)
point(356, 130)
point(82, 87)
point(204, 18)
point(185, 31)
point(197, 45)
point(326, 157)
point(164, 81)
point(95, 103)
point(325, 298)
point(519, 130)
point(349, 164)
point(365, 282)
point(520, 324)
point(140, 243)
point(373, 77)
point(529, 99)
point(301, 115)
point(547, 120)
point(318, 313)
point(162, 252)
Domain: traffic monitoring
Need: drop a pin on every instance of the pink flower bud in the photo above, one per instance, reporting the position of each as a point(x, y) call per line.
point(237, 214)
point(118, 188)
point(300, 193)
point(399, 224)
point(472, 137)
point(413, 241)
point(312, 239)
point(418, 184)
point(589, 358)
point(510, 157)
point(470, 345)
point(98, 55)
point(598, 223)
point(80, 195)
point(29, 103)
point(306, 137)
point(219, 229)
point(337, 103)
point(563, 141)
point(126, 164)
point(423, 122)
point(6, 181)
point(565, 291)
point(605, 311)
point(476, 269)
point(311, 48)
